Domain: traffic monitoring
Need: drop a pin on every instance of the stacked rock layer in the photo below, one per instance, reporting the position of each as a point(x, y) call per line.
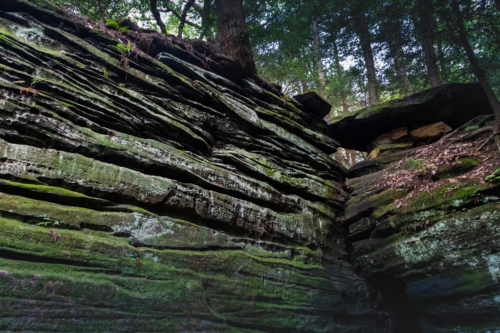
point(141, 190)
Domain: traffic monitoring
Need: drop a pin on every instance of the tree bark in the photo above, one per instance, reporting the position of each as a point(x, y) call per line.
point(364, 37)
point(319, 62)
point(428, 41)
point(232, 34)
point(156, 14)
point(188, 5)
point(478, 72)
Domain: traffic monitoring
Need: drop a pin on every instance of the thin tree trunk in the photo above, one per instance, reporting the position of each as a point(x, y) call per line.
point(364, 37)
point(156, 14)
point(396, 43)
point(188, 5)
point(462, 32)
point(353, 157)
point(428, 42)
point(319, 62)
point(304, 86)
point(232, 34)
point(345, 106)
point(442, 63)
point(403, 77)
point(497, 3)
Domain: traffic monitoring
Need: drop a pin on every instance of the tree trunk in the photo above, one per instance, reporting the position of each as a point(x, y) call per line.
point(462, 32)
point(319, 62)
point(403, 77)
point(188, 5)
point(442, 63)
point(232, 34)
point(497, 3)
point(156, 14)
point(345, 106)
point(353, 157)
point(428, 42)
point(304, 86)
point(364, 37)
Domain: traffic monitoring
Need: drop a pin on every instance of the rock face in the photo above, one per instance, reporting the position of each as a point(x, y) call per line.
point(424, 229)
point(149, 192)
point(453, 104)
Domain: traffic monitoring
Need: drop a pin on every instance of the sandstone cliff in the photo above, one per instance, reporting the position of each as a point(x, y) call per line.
point(143, 188)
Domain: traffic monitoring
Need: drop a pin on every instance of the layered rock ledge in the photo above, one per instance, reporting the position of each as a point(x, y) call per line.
point(160, 194)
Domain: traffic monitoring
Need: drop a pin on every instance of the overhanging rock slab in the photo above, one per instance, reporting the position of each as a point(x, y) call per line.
point(453, 104)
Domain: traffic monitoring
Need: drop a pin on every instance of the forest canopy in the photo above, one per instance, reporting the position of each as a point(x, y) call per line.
point(353, 53)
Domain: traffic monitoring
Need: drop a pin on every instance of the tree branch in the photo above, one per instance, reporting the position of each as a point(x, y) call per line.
point(157, 16)
point(188, 5)
point(170, 9)
point(198, 9)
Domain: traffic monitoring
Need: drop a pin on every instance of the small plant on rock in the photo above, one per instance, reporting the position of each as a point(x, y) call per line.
point(31, 88)
point(125, 52)
point(116, 26)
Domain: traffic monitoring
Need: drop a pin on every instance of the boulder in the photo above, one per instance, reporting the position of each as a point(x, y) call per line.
point(314, 104)
point(430, 132)
point(398, 135)
point(453, 104)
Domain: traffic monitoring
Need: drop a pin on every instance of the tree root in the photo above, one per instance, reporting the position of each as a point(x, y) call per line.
point(494, 134)
point(473, 134)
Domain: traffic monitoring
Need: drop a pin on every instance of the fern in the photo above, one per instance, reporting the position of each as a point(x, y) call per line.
point(44, 224)
point(116, 26)
point(122, 48)
point(36, 80)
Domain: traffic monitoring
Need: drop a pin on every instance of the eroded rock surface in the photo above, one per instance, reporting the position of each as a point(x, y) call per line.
point(162, 196)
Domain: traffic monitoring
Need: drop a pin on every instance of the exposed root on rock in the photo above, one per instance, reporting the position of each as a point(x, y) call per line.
point(471, 135)
point(495, 135)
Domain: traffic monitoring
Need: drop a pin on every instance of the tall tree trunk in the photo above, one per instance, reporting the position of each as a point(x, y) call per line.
point(156, 14)
point(188, 5)
point(403, 77)
point(495, 104)
point(345, 106)
point(395, 42)
point(232, 34)
point(319, 62)
point(428, 41)
point(497, 3)
point(364, 37)
point(442, 63)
